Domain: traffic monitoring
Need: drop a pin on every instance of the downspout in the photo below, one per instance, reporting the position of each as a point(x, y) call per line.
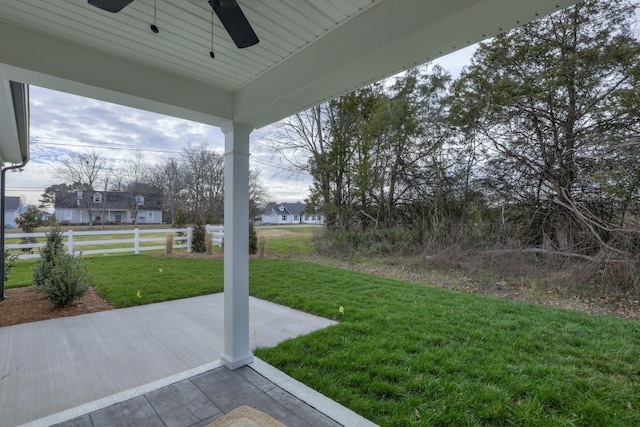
point(20, 95)
point(2, 218)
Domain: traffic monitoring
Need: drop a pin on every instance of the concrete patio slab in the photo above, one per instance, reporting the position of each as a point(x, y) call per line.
point(50, 366)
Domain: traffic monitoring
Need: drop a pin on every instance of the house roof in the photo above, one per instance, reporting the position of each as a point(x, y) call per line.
point(309, 51)
point(291, 208)
point(11, 203)
point(115, 201)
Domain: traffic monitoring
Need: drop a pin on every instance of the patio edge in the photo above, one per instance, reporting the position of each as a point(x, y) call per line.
point(322, 403)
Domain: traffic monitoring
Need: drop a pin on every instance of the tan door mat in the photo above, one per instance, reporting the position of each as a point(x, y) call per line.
point(246, 416)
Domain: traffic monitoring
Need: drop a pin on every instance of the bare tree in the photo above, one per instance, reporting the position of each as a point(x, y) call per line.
point(303, 140)
point(85, 171)
point(204, 172)
point(170, 178)
point(258, 194)
point(133, 177)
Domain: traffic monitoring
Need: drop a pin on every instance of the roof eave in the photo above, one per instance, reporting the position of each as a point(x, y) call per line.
point(14, 122)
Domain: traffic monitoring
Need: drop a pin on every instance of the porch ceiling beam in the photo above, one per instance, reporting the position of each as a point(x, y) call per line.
point(27, 56)
point(373, 46)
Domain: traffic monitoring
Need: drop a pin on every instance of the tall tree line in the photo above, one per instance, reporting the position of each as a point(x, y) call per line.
point(535, 143)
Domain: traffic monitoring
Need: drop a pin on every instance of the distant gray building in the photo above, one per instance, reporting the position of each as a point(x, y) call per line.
point(11, 211)
point(290, 213)
point(116, 207)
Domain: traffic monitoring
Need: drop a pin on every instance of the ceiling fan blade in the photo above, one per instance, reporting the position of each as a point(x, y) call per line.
point(112, 6)
point(235, 22)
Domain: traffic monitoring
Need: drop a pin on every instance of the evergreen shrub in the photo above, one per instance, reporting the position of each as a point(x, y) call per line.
point(68, 281)
point(253, 239)
point(62, 277)
point(198, 236)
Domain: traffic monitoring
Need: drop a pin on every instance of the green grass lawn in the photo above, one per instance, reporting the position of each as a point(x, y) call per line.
point(21, 275)
point(155, 278)
point(290, 246)
point(119, 278)
point(404, 354)
point(291, 228)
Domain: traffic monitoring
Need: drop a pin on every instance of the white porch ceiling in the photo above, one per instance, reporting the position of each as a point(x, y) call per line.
point(309, 50)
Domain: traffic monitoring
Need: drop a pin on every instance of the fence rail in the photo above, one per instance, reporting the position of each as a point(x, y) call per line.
point(182, 239)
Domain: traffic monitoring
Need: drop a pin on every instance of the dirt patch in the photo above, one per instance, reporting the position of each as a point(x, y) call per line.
point(24, 305)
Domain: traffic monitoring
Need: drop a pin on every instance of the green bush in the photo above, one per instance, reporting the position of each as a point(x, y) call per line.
point(62, 277)
point(180, 218)
point(253, 239)
point(30, 220)
point(198, 236)
point(48, 255)
point(9, 262)
point(68, 280)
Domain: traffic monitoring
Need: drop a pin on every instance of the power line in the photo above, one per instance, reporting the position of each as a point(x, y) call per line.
point(268, 164)
point(103, 145)
point(145, 149)
point(106, 145)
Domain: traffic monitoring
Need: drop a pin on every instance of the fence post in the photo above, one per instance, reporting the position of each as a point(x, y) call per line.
point(70, 242)
point(136, 244)
point(189, 239)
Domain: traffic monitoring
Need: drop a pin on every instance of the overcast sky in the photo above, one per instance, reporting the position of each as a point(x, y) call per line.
point(63, 123)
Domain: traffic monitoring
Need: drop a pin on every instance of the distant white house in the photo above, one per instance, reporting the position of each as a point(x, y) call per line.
point(11, 211)
point(116, 207)
point(290, 213)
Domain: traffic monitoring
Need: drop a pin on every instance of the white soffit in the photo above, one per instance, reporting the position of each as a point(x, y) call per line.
point(309, 51)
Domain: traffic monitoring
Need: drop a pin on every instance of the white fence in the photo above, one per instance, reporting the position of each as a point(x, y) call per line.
point(131, 241)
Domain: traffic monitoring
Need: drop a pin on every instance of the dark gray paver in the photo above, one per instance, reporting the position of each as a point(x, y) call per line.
point(309, 415)
point(182, 403)
point(255, 378)
point(133, 412)
point(305, 413)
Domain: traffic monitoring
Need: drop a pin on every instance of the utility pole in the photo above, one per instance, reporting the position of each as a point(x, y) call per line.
point(104, 201)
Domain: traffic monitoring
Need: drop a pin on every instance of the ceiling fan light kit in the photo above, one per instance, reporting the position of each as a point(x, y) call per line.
point(153, 27)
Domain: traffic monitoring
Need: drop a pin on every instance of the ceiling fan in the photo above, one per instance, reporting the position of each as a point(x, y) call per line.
point(228, 11)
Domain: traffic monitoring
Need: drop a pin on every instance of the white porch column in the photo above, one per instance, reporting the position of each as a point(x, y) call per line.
point(236, 246)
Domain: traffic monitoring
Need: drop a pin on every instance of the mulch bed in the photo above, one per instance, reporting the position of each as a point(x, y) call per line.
point(24, 305)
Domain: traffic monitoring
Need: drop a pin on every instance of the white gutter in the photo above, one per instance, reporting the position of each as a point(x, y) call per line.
point(19, 105)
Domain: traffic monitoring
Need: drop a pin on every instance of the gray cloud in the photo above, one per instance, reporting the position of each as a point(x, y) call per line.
point(62, 123)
